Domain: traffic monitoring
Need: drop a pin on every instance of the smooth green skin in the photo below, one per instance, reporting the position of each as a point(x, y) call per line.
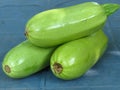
point(78, 56)
point(57, 26)
point(26, 59)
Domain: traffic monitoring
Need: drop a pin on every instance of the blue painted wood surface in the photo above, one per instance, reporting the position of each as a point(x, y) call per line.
point(104, 75)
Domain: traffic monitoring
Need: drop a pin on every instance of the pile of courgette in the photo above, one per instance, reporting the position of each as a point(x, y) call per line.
point(70, 40)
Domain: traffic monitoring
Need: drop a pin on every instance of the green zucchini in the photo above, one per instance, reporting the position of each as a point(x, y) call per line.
point(26, 59)
point(71, 60)
point(57, 26)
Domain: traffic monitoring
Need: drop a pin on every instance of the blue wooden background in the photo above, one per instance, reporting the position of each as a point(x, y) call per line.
point(104, 75)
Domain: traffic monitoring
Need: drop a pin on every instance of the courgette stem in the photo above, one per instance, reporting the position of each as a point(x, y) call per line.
point(57, 68)
point(7, 69)
point(110, 8)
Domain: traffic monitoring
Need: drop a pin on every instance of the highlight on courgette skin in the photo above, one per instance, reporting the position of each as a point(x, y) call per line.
point(57, 26)
point(73, 59)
